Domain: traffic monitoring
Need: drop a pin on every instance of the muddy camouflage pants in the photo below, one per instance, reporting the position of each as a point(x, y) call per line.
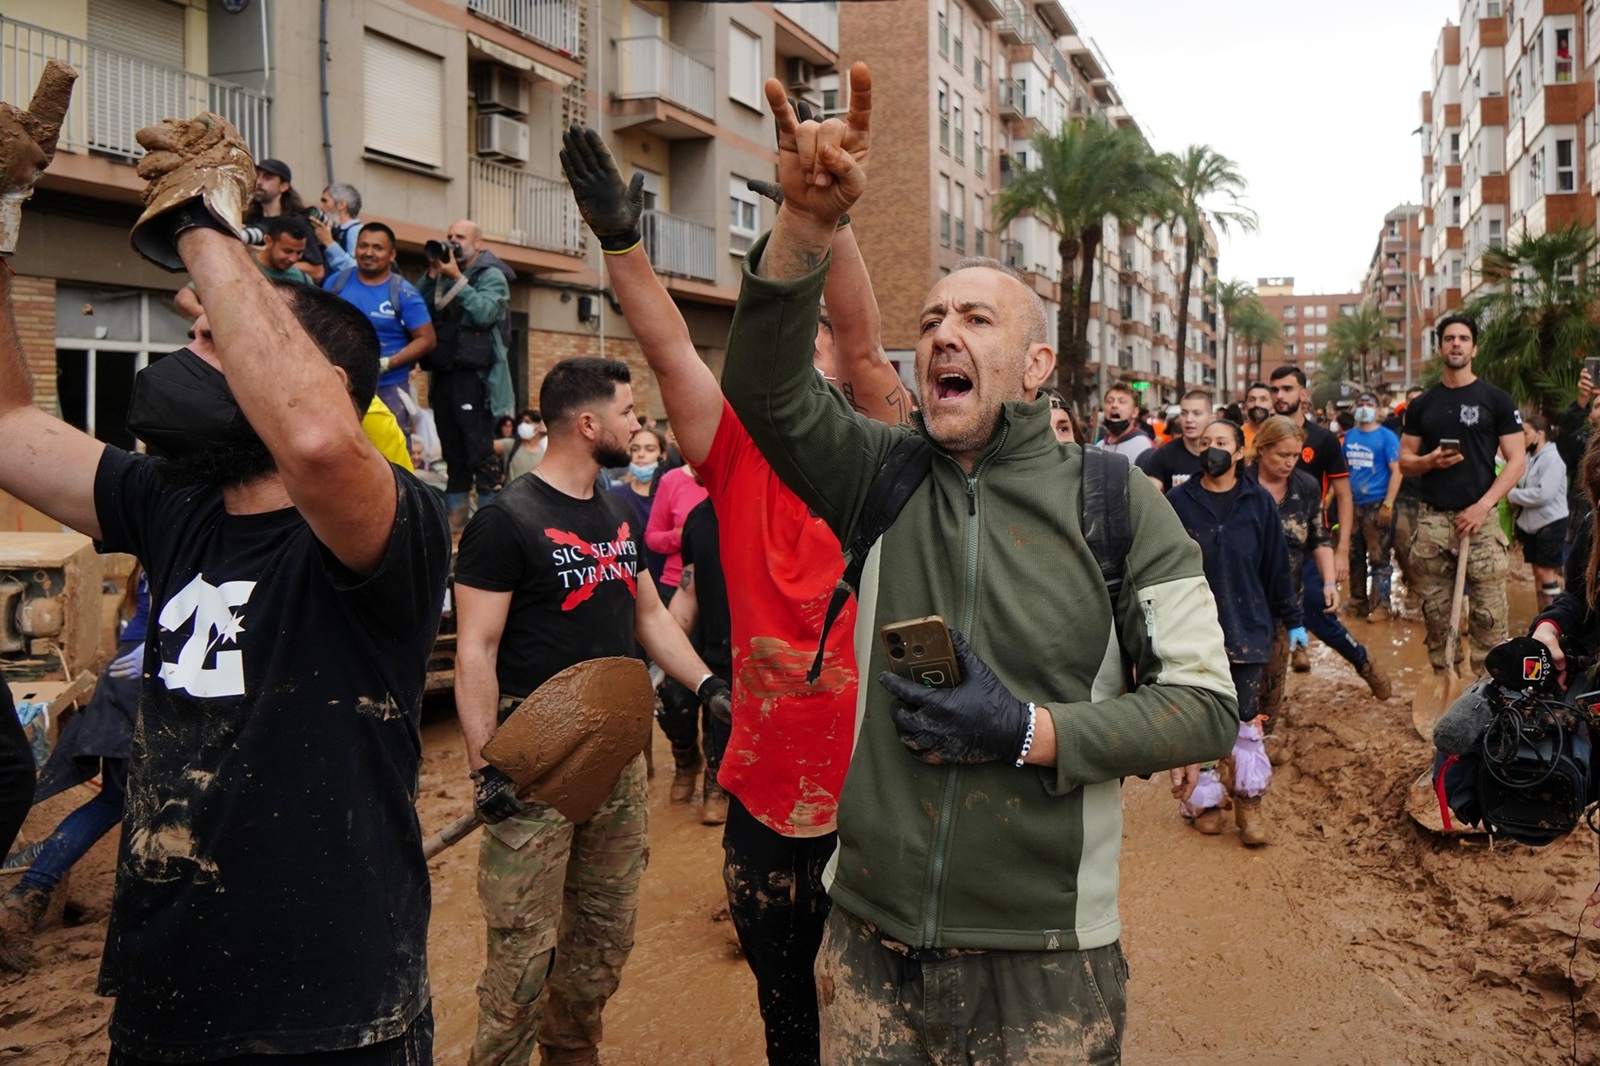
point(559, 900)
point(1434, 551)
point(990, 1008)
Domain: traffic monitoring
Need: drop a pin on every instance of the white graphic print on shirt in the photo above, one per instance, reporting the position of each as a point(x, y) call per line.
point(215, 622)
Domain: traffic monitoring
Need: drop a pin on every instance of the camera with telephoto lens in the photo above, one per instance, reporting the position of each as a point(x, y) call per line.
point(438, 251)
point(1535, 779)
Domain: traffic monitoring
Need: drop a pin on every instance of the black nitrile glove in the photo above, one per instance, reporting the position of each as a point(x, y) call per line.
point(977, 721)
point(495, 795)
point(717, 697)
point(610, 209)
point(770, 189)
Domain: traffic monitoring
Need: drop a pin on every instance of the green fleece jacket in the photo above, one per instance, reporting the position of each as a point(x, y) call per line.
point(989, 855)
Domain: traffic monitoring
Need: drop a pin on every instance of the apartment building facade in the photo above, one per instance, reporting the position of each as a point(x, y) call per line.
point(1306, 319)
point(435, 110)
point(1393, 286)
point(974, 81)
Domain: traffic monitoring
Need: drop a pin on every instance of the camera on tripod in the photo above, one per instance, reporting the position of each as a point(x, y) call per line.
point(437, 251)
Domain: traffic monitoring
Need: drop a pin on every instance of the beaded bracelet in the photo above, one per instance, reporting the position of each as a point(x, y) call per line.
point(1027, 738)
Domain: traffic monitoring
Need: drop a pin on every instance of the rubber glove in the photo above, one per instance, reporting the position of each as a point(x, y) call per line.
point(128, 666)
point(717, 696)
point(495, 795)
point(1298, 638)
point(610, 209)
point(977, 721)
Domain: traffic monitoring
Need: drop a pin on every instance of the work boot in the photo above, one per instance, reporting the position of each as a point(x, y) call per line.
point(1208, 821)
point(683, 777)
point(1300, 660)
point(1247, 815)
point(1376, 681)
point(20, 912)
point(715, 809)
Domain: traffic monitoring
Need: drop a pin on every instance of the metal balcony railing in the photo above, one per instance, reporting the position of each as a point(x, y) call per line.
point(118, 94)
point(520, 208)
point(1012, 98)
point(944, 228)
point(550, 22)
point(819, 20)
point(1011, 254)
point(679, 246)
point(961, 235)
point(653, 68)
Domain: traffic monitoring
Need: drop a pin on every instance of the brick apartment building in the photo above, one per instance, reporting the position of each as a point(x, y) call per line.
point(1306, 319)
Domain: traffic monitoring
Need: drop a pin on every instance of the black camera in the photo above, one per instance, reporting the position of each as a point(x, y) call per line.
point(437, 251)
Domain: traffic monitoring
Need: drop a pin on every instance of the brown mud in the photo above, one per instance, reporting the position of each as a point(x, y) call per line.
point(1355, 937)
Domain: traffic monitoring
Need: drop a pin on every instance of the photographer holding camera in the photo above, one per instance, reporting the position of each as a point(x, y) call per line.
point(468, 292)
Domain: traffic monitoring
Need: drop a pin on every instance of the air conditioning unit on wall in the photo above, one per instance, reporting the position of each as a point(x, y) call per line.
point(802, 73)
point(500, 137)
point(500, 90)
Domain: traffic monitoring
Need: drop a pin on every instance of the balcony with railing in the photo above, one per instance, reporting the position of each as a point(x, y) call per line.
point(651, 68)
point(961, 235)
point(820, 20)
point(944, 228)
point(1011, 253)
point(1013, 100)
point(552, 23)
point(679, 246)
point(519, 208)
point(118, 94)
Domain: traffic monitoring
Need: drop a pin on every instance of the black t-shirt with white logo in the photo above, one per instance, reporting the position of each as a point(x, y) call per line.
point(1172, 464)
point(572, 568)
point(702, 551)
point(271, 894)
point(1477, 415)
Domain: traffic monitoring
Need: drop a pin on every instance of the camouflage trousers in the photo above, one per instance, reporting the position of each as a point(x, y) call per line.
point(895, 1007)
point(1434, 551)
point(559, 900)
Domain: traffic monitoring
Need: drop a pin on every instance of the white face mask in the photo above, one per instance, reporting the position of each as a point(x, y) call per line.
point(526, 430)
point(1366, 414)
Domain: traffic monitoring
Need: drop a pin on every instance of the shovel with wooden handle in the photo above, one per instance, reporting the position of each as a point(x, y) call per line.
point(1428, 705)
point(565, 744)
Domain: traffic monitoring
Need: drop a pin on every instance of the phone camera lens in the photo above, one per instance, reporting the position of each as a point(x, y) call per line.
point(897, 652)
point(917, 650)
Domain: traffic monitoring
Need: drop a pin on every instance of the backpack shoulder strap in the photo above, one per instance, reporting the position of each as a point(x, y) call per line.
point(396, 291)
point(341, 279)
point(901, 472)
point(1107, 524)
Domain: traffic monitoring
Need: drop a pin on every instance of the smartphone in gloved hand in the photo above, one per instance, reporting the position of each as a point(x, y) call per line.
point(920, 650)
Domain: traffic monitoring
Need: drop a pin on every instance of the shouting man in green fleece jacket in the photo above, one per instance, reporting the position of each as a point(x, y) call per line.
point(975, 883)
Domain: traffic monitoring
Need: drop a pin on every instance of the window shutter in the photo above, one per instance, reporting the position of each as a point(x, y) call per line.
point(151, 30)
point(403, 105)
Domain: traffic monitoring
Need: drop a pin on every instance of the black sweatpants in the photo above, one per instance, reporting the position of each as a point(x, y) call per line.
point(460, 402)
point(16, 772)
point(779, 908)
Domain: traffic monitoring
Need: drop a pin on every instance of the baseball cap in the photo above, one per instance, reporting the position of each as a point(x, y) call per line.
point(276, 167)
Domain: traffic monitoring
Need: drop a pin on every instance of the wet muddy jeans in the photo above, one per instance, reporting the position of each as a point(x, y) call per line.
point(560, 902)
point(1371, 547)
point(1274, 679)
point(779, 908)
point(1324, 626)
point(1434, 551)
point(992, 1008)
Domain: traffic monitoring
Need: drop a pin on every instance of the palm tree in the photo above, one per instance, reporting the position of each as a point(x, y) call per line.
point(1539, 316)
point(1252, 324)
point(1199, 177)
point(1229, 297)
point(1353, 339)
point(1085, 173)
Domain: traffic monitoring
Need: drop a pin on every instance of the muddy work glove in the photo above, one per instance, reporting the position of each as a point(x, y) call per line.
point(200, 174)
point(977, 721)
point(28, 143)
point(716, 695)
point(495, 795)
point(610, 209)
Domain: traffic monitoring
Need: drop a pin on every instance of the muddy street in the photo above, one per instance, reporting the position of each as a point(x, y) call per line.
point(1355, 937)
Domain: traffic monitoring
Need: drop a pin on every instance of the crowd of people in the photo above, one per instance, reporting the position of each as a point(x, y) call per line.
point(272, 897)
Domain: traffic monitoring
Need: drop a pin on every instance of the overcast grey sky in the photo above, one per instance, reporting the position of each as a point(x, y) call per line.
point(1315, 102)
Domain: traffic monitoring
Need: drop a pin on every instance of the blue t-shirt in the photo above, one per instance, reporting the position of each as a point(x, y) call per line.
point(1368, 453)
point(393, 334)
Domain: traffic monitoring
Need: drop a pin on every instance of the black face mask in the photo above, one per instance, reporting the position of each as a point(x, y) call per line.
point(1215, 462)
point(185, 413)
point(1258, 414)
point(1116, 426)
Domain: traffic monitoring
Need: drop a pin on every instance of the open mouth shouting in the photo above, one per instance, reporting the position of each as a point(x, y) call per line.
point(951, 384)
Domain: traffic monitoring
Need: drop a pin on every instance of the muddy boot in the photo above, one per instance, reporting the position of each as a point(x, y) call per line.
point(20, 912)
point(683, 777)
point(1278, 750)
point(1300, 660)
point(1208, 821)
point(1247, 815)
point(1376, 680)
point(715, 809)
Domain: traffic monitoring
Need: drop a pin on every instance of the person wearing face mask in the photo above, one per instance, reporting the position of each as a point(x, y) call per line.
point(646, 451)
point(296, 580)
point(1119, 423)
point(1257, 409)
point(1541, 495)
point(1246, 562)
point(525, 447)
point(1373, 456)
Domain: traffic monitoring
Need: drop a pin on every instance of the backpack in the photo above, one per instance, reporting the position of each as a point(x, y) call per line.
point(461, 347)
point(341, 279)
point(1107, 525)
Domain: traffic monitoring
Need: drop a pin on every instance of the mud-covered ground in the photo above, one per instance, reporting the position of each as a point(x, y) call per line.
point(1355, 938)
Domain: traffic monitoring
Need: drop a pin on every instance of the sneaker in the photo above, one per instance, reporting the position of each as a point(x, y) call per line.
point(1209, 821)
point(715, 809)
point(1376, 681)
point(1300, 660)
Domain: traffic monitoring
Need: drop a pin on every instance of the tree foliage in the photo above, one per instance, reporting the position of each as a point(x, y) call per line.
point(1357, 346)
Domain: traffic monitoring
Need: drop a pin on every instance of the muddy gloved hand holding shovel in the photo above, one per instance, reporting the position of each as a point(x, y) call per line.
point(28, 144)
point(200, 174)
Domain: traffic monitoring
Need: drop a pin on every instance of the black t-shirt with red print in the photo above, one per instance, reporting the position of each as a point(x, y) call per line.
point(572, 568)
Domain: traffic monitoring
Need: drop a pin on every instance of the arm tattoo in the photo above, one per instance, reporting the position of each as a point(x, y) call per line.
point(687, 579)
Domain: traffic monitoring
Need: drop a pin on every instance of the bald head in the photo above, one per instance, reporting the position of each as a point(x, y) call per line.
point(1033, 321)
point(465, 232)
